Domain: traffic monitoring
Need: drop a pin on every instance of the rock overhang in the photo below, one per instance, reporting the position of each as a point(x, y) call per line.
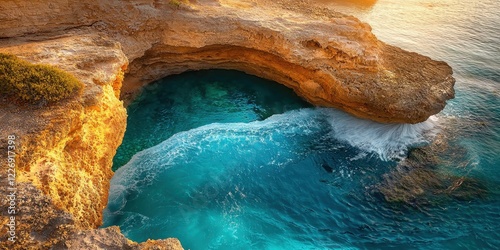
point(329, 59)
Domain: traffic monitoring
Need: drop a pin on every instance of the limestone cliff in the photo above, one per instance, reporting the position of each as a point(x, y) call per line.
point(332, 60)
point(76, 137)
point(328, 58)
point(65, 150)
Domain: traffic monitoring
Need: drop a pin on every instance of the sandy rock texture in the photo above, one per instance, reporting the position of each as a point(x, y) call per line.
point(329, 59)
point(111, 238)
point(72, 140)
point(65, 150)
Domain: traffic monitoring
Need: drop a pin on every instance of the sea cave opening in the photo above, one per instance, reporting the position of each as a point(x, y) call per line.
point(226, 160)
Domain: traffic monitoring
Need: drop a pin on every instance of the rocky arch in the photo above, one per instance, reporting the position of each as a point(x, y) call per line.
point(358, 91)
point(328, 58)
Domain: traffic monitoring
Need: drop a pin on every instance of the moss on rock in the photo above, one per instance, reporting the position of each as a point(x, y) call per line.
point(35, 83)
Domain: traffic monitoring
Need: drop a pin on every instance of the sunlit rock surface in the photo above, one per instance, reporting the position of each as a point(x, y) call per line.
point(65, 150)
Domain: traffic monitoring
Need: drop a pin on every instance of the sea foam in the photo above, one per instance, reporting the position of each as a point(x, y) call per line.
point(388, 141)
point(279, 132)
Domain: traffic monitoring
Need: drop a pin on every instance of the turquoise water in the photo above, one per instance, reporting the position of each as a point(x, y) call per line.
point(224, 160)
point(183, 102)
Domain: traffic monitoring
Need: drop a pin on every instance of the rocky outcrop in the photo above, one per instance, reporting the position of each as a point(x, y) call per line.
point(65, 150)
point(74, 139)
point(328, 58)
point(332, 62)
point(112, 238)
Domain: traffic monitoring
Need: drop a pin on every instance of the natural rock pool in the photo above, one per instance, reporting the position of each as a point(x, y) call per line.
point(232, 161)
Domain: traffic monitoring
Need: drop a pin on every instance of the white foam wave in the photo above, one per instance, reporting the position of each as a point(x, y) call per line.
point(185, 146)
point(388, 141)
point(273, 141)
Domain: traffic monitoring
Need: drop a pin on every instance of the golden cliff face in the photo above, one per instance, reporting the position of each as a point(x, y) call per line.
point(68, 148)
point(65, 150)
point(77, 137)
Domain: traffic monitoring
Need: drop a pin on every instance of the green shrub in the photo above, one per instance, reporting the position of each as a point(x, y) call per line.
point(178, 3)
point(35, 83)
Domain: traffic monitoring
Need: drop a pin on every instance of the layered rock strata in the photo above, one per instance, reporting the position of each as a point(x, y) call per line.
point(65, 150)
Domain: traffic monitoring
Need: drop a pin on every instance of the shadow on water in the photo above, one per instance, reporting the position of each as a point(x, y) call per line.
point(361, 4)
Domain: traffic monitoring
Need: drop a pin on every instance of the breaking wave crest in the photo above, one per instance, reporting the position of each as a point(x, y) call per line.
point(388, 141)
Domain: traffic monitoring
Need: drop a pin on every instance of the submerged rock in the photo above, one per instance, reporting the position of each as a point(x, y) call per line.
point(417, 181)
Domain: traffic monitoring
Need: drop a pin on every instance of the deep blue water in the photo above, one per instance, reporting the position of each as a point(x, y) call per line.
point(224, 160)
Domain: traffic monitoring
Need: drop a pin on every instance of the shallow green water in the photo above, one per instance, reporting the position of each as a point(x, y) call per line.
point(231, 161)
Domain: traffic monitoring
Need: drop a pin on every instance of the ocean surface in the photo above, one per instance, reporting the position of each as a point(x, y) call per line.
point(224, 160)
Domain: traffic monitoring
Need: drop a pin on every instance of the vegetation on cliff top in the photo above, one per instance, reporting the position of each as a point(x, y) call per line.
point(178, 3)
point(35, 83)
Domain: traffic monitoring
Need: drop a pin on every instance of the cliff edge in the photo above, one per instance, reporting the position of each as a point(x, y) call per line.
point(63, 151)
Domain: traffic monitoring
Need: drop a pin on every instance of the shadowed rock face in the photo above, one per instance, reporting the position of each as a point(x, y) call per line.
point(65, 151)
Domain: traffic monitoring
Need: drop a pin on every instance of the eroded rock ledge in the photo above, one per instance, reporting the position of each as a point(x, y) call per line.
point(328, 58)
point(65, 150)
